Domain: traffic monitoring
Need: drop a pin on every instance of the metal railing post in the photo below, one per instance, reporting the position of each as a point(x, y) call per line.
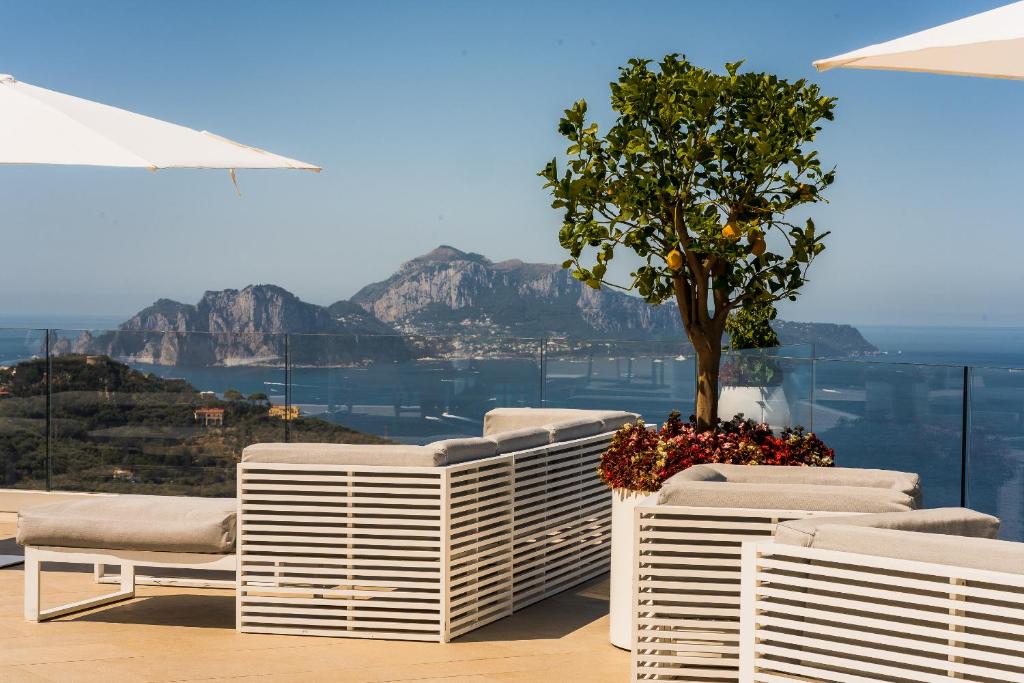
point(965, 435)
point(49, 410)
point(287, 391)
point(814, 385)
point(543, 371)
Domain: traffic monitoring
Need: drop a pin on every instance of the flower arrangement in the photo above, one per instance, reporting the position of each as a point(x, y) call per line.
point(641, 459)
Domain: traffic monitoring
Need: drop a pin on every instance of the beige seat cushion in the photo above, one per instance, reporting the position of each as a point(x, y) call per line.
point(906, 482)
point(511, 419)
point(438, 453)
point(784, 497)
point(155, 523)
point(569, 430)
point(611, 420)
point(949, 521)
point(954, 551)
point(520, 439)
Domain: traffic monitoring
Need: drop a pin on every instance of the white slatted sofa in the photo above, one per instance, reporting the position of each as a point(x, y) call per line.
point(128, 531)
point(689, 535)
point(925, 597)
point(422, 542)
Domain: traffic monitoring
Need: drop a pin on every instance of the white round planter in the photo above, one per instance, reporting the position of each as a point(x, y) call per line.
point(620, 596)
point(763, 404)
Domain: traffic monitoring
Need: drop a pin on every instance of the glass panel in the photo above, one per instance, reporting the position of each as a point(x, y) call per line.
point(649, 378)
point(406, 389)
point(161, 412)
point(995, 471)
point(22, 408)
point(894, 416)
point(768, 385)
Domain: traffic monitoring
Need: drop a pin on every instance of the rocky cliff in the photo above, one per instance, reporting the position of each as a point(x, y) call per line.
point(452, 292)
point(448, 291)
point(264, 309)
point(232, 327)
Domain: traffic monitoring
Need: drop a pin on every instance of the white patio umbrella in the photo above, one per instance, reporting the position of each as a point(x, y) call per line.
point(40, 126)
point(990, 44)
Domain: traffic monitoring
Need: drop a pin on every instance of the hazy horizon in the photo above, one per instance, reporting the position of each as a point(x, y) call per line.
point(431, 122)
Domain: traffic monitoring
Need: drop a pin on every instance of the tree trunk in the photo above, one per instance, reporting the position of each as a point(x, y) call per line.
point(708, 360)
point(705, 333)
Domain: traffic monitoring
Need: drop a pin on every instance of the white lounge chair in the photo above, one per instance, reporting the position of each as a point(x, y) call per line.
point(128, 531)
point(899, 598)
point(687, 554)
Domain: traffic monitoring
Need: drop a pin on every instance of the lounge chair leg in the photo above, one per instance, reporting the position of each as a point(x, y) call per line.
point(31, 586)
point(33, 577)
point(128, 579)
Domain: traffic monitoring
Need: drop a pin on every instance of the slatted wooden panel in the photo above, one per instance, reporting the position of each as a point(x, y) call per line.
point(687, 589)
point(341, 551)
point(562, 519)
point(417, 553)
point(828, 616)
point(479, 539)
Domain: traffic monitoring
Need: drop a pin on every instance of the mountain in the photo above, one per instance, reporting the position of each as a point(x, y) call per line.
point(449, 292)
point(477, 304)
point(246, 326)
point(263, 309)
point(829, 339)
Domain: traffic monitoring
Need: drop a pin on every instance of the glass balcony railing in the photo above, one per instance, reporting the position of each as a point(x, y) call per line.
point(170, 412)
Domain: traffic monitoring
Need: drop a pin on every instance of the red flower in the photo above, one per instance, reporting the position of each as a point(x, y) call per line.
point(641, 459)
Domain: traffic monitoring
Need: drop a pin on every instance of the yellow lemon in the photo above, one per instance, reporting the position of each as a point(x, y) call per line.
point(731, 232)
point(674, 259)
point(758, 247)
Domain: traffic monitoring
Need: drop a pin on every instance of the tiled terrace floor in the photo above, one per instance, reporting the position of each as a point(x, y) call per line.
point(174, 634)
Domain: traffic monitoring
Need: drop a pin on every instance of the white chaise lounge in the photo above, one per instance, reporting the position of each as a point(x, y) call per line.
point(924, 597)
point(686, 584)
point(422, 542)
point(128, 531)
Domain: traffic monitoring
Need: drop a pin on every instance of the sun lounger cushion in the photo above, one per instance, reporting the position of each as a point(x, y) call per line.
point(567, 430)
point(905, 482)
point(447, 452)
point(611, 420)
point(510, 419)
point(783, 497)
point(954, 551)
point(153, 523)
point(949, 521)
point(520, 439)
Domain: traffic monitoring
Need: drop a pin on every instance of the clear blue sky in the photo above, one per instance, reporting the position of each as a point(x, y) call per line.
point(431, 120)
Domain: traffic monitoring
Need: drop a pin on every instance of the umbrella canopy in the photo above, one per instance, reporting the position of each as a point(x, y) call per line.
point(40, 126)
point(989, 44)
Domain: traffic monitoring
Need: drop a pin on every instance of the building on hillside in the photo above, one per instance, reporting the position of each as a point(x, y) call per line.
point(210, 417)
point(121, 474)
point(285, 413)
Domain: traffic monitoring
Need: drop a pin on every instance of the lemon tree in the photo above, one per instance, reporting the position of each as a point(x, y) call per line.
point(698, 175)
